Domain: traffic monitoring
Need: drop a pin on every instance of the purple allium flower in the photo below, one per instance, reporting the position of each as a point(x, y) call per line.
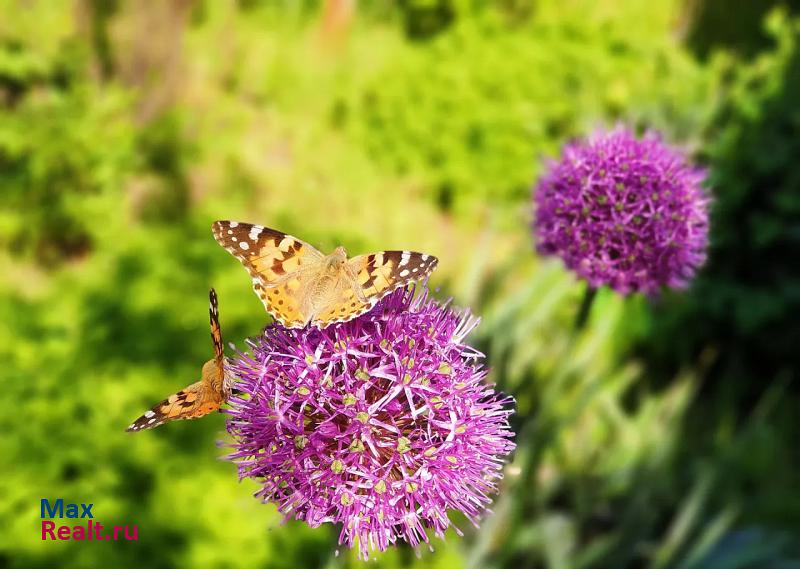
point(381, 424)
point(630, 213)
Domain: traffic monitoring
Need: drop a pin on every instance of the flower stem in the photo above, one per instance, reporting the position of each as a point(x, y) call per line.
point(585, 309)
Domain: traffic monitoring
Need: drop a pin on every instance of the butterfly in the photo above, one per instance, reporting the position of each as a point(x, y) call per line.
point(299, 285)
point(200, 398)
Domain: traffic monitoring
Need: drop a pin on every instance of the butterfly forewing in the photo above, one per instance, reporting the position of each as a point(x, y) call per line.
point(380, 273)
point(216, 331)
point(189, 403)
point(280, 266)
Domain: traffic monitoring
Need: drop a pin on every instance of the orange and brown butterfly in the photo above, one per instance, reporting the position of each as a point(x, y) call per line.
point(200, 398)
point(299, 285)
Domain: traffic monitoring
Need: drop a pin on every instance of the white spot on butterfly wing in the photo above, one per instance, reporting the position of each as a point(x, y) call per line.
point(244, 245)
point(234, 224)
point(255, 231)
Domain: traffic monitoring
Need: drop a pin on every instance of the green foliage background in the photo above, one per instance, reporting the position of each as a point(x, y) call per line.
point(663, 435)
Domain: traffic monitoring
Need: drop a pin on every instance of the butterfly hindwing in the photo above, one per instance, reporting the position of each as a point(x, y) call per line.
point(375, 275)
point(279, 265)
point(346, 304)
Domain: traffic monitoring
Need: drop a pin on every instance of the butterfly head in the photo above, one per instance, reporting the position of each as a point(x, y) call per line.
point(336, 260)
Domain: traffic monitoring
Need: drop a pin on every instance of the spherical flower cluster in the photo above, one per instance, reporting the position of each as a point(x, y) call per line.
point(382, 424)
point(625, 212)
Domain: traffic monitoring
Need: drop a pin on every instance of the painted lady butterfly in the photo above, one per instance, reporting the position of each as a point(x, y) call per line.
point(300, 285)
point(200, 398)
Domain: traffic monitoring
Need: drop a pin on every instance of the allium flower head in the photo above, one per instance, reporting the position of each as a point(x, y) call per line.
point(382, 424)
point(625, 212)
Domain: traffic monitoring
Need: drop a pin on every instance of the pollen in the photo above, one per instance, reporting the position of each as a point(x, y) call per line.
point(356, 446)
point(403, 445)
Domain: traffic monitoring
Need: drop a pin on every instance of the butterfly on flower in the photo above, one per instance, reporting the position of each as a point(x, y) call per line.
point(200, 398)
point(299, 285)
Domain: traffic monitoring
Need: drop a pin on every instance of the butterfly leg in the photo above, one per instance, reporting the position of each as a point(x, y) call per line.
point(280, 280)
point(352, 279)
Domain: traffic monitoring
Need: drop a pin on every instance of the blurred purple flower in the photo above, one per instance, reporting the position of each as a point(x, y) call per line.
point(627, 213)
point(381, 424)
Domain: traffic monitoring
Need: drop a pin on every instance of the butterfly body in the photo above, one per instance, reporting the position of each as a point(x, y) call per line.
point(200, 398)
point(300, 285)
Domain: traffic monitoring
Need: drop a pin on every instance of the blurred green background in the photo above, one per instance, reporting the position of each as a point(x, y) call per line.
point(665, 434)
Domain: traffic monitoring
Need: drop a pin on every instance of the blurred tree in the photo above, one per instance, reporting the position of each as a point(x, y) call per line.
point(424, 19)
point(747, 298)
point(337, 17)
point(745, 302)
point(731, 24)
point(63, 142)
point(148, 50)
point(93, 18)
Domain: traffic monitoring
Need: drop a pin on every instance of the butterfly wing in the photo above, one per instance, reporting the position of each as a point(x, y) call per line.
point(216, 335)
point(370, 278)
point(216, 377)
point(200, 398)
point(281, 266)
